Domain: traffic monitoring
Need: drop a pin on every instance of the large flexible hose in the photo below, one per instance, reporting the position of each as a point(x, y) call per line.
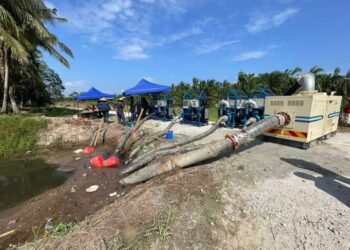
point(151, 139)
point(184, 142)
point(128, 133)
point(212, 150)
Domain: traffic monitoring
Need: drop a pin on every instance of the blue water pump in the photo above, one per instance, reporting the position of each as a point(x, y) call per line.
point(195, 110)
point(163, 107)
point(232, 105)
point(239, 107)
point(256, 105)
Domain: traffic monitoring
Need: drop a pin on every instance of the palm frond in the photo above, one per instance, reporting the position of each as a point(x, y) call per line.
point(337, 71)
point(65, 48)
point(316, 70)
point(52, 51)
point(7, 21)
point(23, 28)
point(296, 71)
point(9, 42)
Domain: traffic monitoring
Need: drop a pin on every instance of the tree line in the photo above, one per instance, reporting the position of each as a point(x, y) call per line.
point(278, 81)
point(25, 77)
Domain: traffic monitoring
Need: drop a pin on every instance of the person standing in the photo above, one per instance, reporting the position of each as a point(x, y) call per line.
point(119, 106)
point(132, 108)
point(144, 107)
point(104, 108)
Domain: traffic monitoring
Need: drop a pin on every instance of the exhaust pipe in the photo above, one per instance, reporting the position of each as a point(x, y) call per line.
point(307, 82)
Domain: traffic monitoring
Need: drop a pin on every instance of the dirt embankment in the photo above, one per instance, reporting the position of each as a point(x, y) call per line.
point(66, 133)
point(268, 196)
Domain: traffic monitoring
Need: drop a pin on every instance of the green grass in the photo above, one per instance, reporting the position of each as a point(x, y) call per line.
point(61, 230)
point(147, 233)
point(18, 134)
point(54, 111)
point(40, 234)
point(68, 103)
point(164, 220)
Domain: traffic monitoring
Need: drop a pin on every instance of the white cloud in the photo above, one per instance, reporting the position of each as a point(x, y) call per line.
point(196, 29)
point(132, 51)
point(250, 55)
point(74, 83)
point(50, 5)
point(96, 17)
point(78, 86)
point(265, 22)
point(126, 26)
point(209, 46)
point(149, 78)
point(174, 6)
point(184, 34)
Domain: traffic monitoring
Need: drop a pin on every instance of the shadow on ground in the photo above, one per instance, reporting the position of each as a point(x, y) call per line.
point(329, 181)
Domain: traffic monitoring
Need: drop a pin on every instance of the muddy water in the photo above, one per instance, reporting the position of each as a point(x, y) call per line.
point(22, 179)
point(40, 194)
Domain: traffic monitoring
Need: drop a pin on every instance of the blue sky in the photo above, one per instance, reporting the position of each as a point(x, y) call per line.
point(118, 42)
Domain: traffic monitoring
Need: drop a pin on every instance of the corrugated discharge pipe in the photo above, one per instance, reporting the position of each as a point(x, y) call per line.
point(230, 144)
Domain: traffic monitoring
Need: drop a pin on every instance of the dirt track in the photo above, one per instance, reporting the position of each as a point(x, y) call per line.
point(267, 196)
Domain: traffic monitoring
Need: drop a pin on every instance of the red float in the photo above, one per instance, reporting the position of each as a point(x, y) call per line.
point(111, 162)
point(97, 161)
point(89, 150)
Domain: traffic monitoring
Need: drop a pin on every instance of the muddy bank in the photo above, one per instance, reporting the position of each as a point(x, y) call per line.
point(66, 133)
point(66, 203)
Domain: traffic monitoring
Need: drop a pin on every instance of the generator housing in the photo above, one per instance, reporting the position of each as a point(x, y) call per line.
point(313, 115)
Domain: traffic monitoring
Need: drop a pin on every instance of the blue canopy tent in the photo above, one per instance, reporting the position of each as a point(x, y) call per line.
point(93, 94)
point(145, 87)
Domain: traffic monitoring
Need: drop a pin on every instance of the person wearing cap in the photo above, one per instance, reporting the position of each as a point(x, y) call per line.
point(119, 106)
point(104, 108)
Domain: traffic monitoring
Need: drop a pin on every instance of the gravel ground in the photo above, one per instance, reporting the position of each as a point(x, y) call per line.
point(292, 199)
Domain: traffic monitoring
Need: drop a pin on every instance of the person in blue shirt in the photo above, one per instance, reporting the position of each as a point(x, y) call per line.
point(104, 108)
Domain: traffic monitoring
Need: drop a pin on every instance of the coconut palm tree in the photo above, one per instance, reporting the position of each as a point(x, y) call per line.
point(316, 70)
point(10, 36)
point(341, 83)
point(293, 72)
point(23, 32)
point(336, 79)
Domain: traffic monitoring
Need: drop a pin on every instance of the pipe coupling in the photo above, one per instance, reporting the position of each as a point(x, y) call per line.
point(233, 139)
point(286, 118)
